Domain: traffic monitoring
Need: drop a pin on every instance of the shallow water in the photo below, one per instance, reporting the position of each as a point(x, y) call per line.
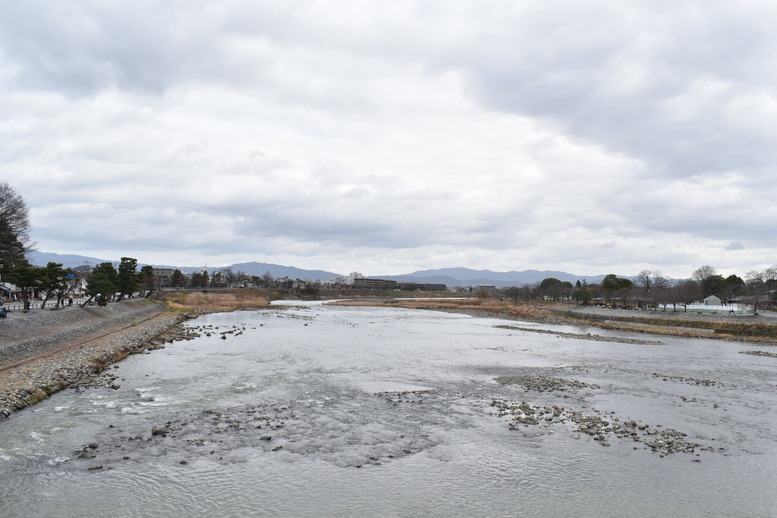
point(345, 411)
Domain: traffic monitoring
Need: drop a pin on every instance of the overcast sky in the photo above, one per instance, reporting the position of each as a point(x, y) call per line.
point(391, 136)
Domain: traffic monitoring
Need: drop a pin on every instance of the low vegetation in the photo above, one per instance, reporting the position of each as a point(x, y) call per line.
point(681, 326)
point(214, 301)
point(465, 305)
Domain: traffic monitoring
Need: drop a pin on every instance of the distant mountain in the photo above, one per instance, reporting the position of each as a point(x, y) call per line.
point(277, 271)
point(252, 268)
point(66, 260)
point(468, 277)
point(447, 276)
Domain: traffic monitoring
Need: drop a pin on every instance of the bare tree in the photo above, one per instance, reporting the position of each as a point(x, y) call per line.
point(759, 287)
point(770, 278)
point(703, 273)
point(14, 230)
point(685, 293)
point(653, 287)
point(217, 279)
point(754, 286)
point(512, 292)
point(644, 280)
point(13, 211)
point(659, 281)
point(229, 276)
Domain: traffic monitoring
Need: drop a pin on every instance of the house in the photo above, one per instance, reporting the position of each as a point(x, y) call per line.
point(712, 300)
point(77, 281)
point(7, 291)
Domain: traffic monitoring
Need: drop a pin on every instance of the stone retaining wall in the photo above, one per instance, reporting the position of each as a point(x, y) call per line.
point(32, 334)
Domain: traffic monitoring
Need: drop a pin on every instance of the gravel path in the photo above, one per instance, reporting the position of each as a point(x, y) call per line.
point(44, 351)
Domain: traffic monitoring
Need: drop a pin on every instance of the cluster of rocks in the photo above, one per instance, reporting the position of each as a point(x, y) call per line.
point(600, 429)
point(404, 396)
point(760, 353)
point(176, 333)
point(582, 336)
point(211, 329)
point(688, 381)
point(218, 434)
point(544, 383)
point(204, 433)
point(107, 379)
point(663, 441)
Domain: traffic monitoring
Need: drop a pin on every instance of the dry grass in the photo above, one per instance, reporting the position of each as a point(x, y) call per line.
point(680, 331)
point(214, 301)
point(494, 307)
point(680, 325)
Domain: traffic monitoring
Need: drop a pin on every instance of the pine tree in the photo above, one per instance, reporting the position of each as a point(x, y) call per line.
point(103, 282)
point(128, 277)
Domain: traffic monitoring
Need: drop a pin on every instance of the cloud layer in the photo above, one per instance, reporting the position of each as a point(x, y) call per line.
point(387, 137)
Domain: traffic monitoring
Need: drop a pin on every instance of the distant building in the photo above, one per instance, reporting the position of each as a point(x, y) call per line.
point(374, 284)
point(163, 276)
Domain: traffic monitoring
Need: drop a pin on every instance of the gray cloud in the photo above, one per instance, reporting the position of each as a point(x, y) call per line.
point(385, 137)
point(680, 91)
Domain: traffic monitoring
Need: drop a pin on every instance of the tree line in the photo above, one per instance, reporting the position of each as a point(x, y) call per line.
point(223, 278)
point(105, 282)
point(651, 289)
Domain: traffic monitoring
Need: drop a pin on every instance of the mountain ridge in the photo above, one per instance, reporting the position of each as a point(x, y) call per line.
point(488, 277)
point(448, 276)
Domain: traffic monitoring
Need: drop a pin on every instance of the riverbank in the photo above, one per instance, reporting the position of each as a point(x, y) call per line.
point(214, 301)
point(727, 327)
point(750, 328)
point(45, 351)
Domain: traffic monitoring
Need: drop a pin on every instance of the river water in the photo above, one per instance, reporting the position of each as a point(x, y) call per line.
point(318, 410)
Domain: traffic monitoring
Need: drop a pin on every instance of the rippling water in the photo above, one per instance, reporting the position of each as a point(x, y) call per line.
point(334, 411)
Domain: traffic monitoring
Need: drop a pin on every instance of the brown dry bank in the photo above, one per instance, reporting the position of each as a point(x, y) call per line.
point(472, 306)
point(200, 302)
point(653, 322)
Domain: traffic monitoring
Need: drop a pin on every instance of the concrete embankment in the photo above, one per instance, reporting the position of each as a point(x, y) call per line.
point(45, 351)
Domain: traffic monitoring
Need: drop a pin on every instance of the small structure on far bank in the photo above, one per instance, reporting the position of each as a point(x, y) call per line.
point(706, 306)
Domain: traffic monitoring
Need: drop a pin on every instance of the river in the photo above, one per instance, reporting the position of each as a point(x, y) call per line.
point(315, 410)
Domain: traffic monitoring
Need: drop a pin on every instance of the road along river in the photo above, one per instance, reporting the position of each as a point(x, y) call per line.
point(316, 410)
